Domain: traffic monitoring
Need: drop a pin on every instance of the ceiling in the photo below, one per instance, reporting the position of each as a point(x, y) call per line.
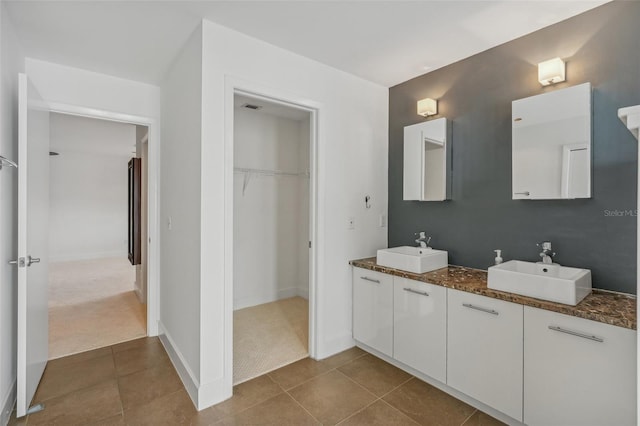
point(386, 42)
point(270, 108)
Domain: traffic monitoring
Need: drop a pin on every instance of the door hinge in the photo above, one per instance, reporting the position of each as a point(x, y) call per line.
point(20, 262)
point(309, 244)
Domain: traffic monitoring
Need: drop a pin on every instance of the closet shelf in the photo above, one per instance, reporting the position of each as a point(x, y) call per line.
point(266, 172)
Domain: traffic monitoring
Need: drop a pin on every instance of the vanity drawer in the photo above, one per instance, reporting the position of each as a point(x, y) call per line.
point(577, 372)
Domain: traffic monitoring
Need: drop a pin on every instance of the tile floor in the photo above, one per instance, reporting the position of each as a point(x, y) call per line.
point(134, 383)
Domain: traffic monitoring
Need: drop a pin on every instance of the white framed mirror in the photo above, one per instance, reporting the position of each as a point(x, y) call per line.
point(551, 145)
point(427, 161)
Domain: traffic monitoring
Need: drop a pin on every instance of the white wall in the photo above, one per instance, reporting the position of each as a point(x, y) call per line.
point(11, 63)
point(180, 304)
point(352, 162)
point(267, 232)
point(88, 187)
point(73, 86)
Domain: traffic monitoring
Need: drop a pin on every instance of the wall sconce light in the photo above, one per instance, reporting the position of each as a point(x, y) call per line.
point(551, 71)
point(427, 107)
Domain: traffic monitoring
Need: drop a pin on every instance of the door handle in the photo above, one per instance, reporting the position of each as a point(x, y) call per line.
point(577, 333)
point(32, 260)
point(478, 308)
point(410, 290)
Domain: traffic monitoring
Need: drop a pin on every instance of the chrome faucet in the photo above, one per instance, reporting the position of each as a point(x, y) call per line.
point(421, 239)
point(546, 254)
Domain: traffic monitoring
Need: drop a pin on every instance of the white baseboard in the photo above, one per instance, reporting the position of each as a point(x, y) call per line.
point(443, 387)
point(189, 380)
point(247, 302)
point(8, 404)
point(212, 393)
point(141, 297)
point(202, 395)
point(302, 292)
point(87, 256)
point(335, 345)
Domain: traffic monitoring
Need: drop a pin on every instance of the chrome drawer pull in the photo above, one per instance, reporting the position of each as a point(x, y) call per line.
point(575, 333)
point(370, 279)
point(410, 290)
point(477, 308)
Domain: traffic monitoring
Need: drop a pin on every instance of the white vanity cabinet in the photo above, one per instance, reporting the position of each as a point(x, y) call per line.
point(484, 355)
point(373, 309)
point(577, 372)
point(420, 326)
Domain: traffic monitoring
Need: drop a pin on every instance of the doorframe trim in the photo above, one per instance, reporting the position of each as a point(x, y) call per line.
point(153, 191)
point(234, 85)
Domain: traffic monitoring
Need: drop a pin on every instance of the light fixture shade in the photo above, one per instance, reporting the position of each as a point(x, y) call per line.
point(427, 107)
point(551, 71)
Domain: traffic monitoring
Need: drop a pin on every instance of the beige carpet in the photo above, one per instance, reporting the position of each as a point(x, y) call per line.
point(269, 336)
point(92, 304)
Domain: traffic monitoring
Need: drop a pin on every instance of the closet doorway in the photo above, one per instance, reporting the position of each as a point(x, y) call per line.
point(271, 220)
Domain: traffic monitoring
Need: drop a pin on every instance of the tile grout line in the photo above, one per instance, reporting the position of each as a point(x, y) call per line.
point(286, 391)
point(305, 381)
point(303, 407)
point(113, 354)
point(257, 403)
point(357, 411)
point(399, 386)
point(377, 398)
point(358, 384)
point(283, 391)
point(398, 410)
point(302, 383)
point(467, 419)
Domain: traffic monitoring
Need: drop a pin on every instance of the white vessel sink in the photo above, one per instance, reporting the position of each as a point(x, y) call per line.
point(413, 259)
point(553, 282)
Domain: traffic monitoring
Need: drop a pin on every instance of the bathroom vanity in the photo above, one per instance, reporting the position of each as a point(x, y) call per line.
point(523, 360)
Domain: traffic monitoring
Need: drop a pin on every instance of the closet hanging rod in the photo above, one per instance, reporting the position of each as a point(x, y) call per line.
point(6, 162)
point(269, 172)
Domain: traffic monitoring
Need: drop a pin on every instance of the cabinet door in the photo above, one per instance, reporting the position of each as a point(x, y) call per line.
point(484, 358)
point(373, 309)
point(420, 326)
point(577, 372)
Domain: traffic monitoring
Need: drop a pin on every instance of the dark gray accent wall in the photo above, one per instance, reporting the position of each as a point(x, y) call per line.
point(601, 46)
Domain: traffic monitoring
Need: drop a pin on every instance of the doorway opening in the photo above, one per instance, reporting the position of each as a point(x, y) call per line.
point(97, 297)
point(271, 235)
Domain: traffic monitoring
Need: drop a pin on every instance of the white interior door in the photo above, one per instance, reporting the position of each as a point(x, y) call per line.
point(32, 262)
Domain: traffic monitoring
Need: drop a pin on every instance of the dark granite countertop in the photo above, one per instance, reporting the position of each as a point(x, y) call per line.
point(602, 306)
